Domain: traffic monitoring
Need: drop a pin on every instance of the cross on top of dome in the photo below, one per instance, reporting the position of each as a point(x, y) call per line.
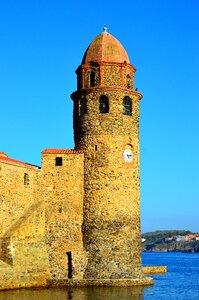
point(105, 28)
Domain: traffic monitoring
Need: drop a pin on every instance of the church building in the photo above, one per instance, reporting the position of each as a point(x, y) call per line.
point(76, 220)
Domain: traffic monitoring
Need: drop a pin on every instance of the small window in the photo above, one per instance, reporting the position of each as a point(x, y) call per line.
point(103, 104)
point(26, 179)
point(83, 106)
point(127, 106)
point(58, 161)
point(92, 78)
point(128, 81)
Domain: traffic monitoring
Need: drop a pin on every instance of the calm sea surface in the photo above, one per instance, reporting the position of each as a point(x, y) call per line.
point(181, 282)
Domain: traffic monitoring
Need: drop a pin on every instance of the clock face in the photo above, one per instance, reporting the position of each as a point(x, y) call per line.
point(128, 155)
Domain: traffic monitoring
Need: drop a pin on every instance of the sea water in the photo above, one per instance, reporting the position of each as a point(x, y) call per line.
point(180, 282)
point(182, 279)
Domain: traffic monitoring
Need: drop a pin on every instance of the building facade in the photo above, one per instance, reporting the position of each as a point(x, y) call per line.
point(76, 220)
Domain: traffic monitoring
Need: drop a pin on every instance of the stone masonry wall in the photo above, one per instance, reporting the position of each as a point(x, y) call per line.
point(41, 217)
point(15, 196)
point(23, 258)
point(23, 251)
point(111, 226)
point(61, 187)
point(112, 222)
point(106, 75)
point(112, 76)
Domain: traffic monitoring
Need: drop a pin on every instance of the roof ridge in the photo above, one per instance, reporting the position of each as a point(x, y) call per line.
point(61, 151)
point(9, 160)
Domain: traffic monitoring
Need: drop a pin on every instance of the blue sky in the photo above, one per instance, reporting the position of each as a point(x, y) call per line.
point(42, 44)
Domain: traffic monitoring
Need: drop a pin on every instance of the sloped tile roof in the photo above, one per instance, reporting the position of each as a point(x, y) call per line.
point(5, 159)
point(61, 151)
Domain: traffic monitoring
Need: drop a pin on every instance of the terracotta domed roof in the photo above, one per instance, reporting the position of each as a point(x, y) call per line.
point(105, 48)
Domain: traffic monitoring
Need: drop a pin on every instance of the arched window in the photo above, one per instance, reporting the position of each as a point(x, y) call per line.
point(103, 104)
point(127, 106)
point(26, 179)
point(128, 81)
point(82, 106)
point(92, 78)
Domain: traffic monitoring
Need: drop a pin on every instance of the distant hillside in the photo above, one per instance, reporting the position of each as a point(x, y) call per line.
point(170, 240)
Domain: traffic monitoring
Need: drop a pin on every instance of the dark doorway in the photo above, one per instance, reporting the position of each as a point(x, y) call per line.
point(69, 254)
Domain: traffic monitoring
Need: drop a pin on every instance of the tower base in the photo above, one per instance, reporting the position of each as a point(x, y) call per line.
point(145, 281)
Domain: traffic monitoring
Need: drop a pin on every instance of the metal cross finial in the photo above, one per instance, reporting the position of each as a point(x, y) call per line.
point(105, 28)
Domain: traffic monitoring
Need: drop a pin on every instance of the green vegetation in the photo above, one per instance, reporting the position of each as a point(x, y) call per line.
point(153, 239)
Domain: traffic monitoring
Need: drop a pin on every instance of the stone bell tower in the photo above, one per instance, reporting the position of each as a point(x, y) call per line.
point(106, 128)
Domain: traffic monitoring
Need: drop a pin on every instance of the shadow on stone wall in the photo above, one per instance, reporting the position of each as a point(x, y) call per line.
point(24, 259)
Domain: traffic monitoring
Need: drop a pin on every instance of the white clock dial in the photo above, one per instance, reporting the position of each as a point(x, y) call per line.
point(127, 155)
